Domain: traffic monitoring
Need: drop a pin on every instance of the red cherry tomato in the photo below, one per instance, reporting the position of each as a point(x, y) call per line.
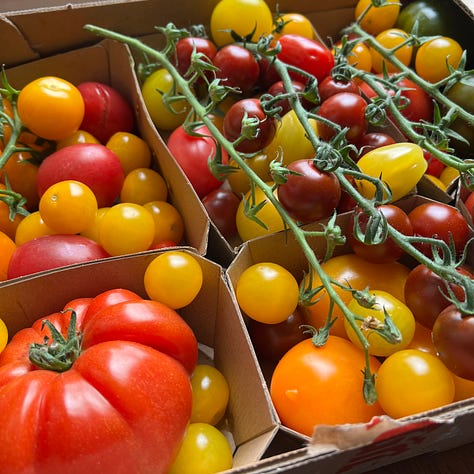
point(330, 86)
point(278, 88)
point(185, 47)
point(372, 140)
point(221, 205)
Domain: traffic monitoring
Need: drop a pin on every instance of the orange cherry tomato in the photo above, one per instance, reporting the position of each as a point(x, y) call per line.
point(7, 247)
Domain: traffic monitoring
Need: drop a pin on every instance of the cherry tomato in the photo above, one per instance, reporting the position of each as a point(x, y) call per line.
point(435, 166)
point(309, 55)
point(174, 278)
point(278, 88)
point(252, 109)
point(441, 221)
point(51, 107)
point(68, 207)
point(330, 86)
point(267, 292)
point(8, 225)
point(422, 340)
point(132, 151)
point(388, 250)
point(464, 388)
point(346, 110)
point(221, 206)
point(106, 111)
point(126, 228)
point(210, 394)
point(312, 385)
point(238, 179)
point(412, 381)
point(93, 231)
point(392, 39)
point(143, 185)
point(377, 19)
point(7, 247)
point(372, 140)
point(80, 136)
point(3, 335)
point(375, 317)
point(469, 203)
point(30, 227)
point(185, 47)
point(244, 17)
point(311, 194)
point(169, 224)
point(204, 450)
point(294, 23)
point(360, 57)
point(433, 56)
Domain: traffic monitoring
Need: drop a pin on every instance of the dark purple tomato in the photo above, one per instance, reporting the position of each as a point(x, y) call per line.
point(221, 205)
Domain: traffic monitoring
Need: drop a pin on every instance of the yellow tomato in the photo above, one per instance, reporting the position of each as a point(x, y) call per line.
point(377, 19)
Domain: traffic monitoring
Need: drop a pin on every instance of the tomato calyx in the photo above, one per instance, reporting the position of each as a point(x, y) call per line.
point(60, 353)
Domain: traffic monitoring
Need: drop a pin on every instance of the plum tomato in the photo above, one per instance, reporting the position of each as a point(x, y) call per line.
point(309, 194)
point(192, 153)
point(345, 109)
point(186, 47)
point(221, 205)
point(388, 250)
point(322, 385)
point(252, 109)
point(309, 55)
point(372, 140)
point(441, 221)
point(90, 163)
point(236, 67)
point(106, 111)
point(330, 86)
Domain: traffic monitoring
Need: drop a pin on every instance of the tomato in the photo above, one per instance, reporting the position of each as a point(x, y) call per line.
point(412, 381)
point(417, 106)
point(346, 110)
point(293, 23)
point(238, 180)
point(440, 221)
point(388, 250)
point(422, 340)
point(278, 88)
point(313, 386)
point(221, 206)
point(93, 230)
point(251, 109)
point(106, 111)
point(435, 166)
point(68, 207)
point(51, 107)
point(186, 47)
point(169, 224)
point(433, 56)
point(449, 175)
point(375, 318)
point(210, 394)
point(426, 293)
point(126, 228)
point(396, 40)
point(140, 422)
point(272, 341)
point(310, 194)
point(204, 450)
point(464, 388)
point(309, 55)
point(53, 251)
point(143, 185)
point(30, 227)
point(372, 140)
point(80, 136)
point(7, 224)
point(3, 335)
point(248, 228)
point(291, 142)
point(267, 292)
point(192, 154)
point(377, 19)
point(330, 86)
point(164, 116)
point(236, 67)
point(90, 163)
point(352, 270)
point(174, 278)
point(132, 151)
point(400, 166)
point(360, 57)
point(7, 247)
point(253, 17)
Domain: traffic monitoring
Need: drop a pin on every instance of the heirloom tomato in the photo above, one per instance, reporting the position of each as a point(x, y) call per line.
point(90, 163)
point(313, 386)
point(379, 18)
point(411, 381)
point(101, 404)
point(51, 107)
point(350, 270)
point(244, 17)
point(106, 111)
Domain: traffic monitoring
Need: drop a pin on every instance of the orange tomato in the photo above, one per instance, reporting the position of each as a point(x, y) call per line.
point(7, 225)
point(7, 247)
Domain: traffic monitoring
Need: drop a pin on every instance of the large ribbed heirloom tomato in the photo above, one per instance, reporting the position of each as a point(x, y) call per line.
point(109, 392)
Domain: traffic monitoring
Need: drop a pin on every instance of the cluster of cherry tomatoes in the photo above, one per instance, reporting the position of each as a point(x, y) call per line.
point(83, 180)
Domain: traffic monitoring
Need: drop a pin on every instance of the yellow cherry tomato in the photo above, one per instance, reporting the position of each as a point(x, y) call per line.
point(377, 19)
point(391, 39)
point(448, 175)
point(93, 231)
point(238, 179)
point(294, 23)
point(80, 136)
point(143, 185)
point(3, 335)
point(360, 57)
point(436, 181)
point(169, 224)
point(132, 151)
point(31, 227)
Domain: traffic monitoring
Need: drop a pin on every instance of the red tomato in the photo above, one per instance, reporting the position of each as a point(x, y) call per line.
point(268, 74)
point(185, 47)
point(53, 251)
point(469, 203)
point(92, 164)
point(346, 110)
point(192, 154)
point(221, 205)
point(372, 140)
point(106, 111)
point(311, 194)
point(278, 88)
point(435, 166)
point(307, 54)
point(102, 405)
point(330, 86)
point(232, 126)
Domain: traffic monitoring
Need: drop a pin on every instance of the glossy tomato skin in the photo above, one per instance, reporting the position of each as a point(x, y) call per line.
point(311, 194)
point(372, 140)
point(453, 333)
point(330, 86)
point(278, 88)
point(192, 154)
point(425, 293)
point(232, 126)
point(90, 163)
point(221, 205)
point(307, 54)
point(186, 46)
point(53, 251)
point(106, 111)
point(124, 419)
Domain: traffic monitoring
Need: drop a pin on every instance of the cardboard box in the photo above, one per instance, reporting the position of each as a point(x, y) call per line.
point(212, 316)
